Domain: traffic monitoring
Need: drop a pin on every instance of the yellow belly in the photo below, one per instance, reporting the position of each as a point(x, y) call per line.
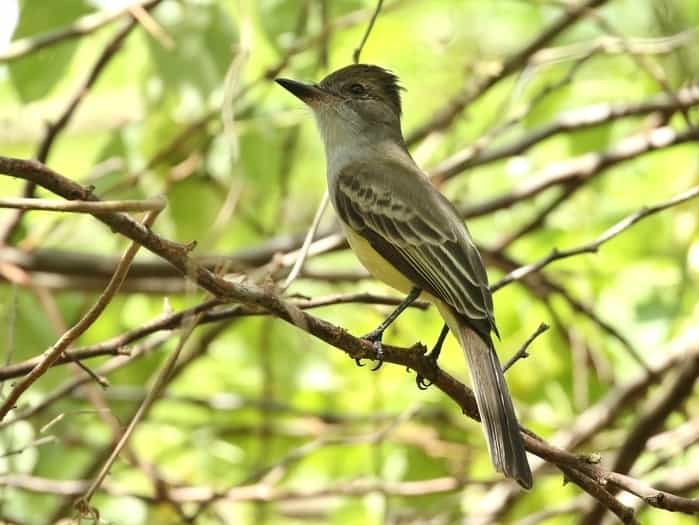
point(384, 271)
point(378, 267)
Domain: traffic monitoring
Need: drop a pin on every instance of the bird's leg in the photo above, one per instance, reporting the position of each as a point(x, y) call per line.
point(423, 383)
point(375, 335)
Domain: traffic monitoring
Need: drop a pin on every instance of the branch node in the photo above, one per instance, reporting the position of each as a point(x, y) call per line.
point(89, 192)
point(419, 349)
point(522, 352)
point(594, 458)
point(656, 500)
point(86, 511)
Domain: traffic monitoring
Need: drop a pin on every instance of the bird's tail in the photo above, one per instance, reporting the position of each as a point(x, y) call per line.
point(495, 406)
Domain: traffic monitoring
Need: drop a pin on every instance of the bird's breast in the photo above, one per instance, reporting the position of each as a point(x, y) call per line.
point(375, 263)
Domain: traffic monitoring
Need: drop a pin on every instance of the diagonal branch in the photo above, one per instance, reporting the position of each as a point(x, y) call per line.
point(585, 167)
point(635, 443)
point(573, 120)
point(451, 110)
point(159, 382)
point(593, 246)
point(358, 51)
point(53, 353)
point(55, 128)
point(81, 27)
point(413, 358)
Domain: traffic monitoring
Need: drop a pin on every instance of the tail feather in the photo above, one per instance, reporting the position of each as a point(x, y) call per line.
point(495, 406)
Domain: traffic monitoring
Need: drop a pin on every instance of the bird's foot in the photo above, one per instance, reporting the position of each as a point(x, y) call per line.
point(421, 381)
point(374, 337)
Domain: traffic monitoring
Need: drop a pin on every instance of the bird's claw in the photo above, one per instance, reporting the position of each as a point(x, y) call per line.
point(374, 337)
point(421, 381)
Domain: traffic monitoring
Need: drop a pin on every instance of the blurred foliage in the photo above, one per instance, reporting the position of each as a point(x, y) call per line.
point(263, 389)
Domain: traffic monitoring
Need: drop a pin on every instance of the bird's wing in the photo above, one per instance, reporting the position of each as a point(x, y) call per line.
point(417, 230)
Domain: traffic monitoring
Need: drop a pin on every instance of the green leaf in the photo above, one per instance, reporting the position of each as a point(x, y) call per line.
point(204, 37)
point(36, 74)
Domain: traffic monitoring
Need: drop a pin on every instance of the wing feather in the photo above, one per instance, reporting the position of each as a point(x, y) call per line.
point(419, 237)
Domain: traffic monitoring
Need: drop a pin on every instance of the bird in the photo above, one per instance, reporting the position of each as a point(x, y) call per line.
point(410, 236)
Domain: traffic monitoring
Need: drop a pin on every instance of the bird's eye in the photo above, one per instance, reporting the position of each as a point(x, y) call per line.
point(357, 89)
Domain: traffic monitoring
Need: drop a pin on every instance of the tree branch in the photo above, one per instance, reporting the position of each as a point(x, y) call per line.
point(83, 207)
point(413, 358)
point(54, 352)
point(593, 246)
point(81, 27)
point(570, 121)
point(53, 129)
point(444, 117)
point(585, 167)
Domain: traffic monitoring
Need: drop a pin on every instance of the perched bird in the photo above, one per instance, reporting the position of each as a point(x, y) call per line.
point(407, 234)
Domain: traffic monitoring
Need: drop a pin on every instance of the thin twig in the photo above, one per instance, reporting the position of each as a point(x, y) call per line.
point(53, 129)
point(160, 380)
point(303, 252)
point(54, 352)
point(568, 121)
point(616, 45)
point(585, 167)
point(476, 153)
point(83, 207)
point(46, 440)
point(358, 51)
point(81, 27)
point(445, 116)
point(593, 247)
point(522, 352)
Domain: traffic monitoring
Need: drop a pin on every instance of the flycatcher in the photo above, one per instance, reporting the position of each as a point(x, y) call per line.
point(410, 236)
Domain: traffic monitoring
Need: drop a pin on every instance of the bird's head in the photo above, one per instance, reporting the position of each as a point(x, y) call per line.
point(363, 98)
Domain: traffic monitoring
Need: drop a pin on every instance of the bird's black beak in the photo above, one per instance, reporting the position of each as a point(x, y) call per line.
point(308, 93)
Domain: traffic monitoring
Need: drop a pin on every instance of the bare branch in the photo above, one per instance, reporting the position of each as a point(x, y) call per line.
point(616, 45)
point(81, 27)
point(573, 120)
point(593, 246)
point(358, 51)
point(600, 494)
point(159, 382)
point(83, 207)
point(522, 352)
point(586, 167)
point(303, 252)
point(55, 128)
point(445, 116)
point(647, 425)
point(54, 352)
